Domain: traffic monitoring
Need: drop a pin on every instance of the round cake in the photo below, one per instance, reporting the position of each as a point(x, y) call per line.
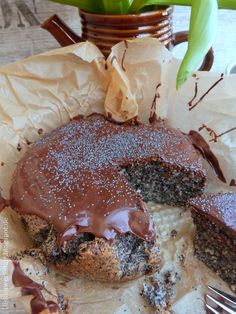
point(80, 193)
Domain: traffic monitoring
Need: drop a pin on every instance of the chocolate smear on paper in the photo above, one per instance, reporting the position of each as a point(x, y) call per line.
point(153, 115)
point(200, 144)
point(193, 105)
point(30, 287)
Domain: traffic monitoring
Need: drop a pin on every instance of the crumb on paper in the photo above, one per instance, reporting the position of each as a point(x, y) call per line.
point(233, 288)
point(62, 302)
point(173, 233)
point(181, 259)
point(28, 142)
point(158, 291)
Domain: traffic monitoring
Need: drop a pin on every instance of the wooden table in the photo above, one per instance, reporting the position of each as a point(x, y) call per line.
point(22, 36)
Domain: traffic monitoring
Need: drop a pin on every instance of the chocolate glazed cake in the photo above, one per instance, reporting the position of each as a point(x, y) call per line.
point(215, 241)
point(80, 189)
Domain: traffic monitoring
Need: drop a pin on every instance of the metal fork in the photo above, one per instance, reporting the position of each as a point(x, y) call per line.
point(222, 303)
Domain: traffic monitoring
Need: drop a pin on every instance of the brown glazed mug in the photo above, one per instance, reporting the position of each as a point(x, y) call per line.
point(105, 30)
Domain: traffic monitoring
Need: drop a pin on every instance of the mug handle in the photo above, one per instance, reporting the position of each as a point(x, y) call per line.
point(181, 37)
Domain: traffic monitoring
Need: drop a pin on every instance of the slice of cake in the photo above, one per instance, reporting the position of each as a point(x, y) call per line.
point(80, 189)
point(215, 241)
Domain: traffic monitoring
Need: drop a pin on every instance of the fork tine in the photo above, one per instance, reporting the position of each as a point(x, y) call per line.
point(214, 311)
point(222, 306)
point(224, 295)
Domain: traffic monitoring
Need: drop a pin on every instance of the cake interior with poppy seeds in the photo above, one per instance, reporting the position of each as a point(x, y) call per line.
point(215, 240)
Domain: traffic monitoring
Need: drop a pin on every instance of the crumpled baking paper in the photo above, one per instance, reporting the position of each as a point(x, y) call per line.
point(42, 92)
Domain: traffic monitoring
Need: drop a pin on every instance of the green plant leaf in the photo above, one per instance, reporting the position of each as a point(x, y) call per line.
point(138, 5)
point(132, 6)
point(100, 6)
point(202, 23)
point(116, 6)
point(202, 32)
point(227, 4)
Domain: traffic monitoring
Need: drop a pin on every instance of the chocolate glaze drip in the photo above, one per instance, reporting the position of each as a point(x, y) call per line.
point(30, 287)
point(3, 203)
point(73, 176)
point(132, 121)
point(200, 144)
point(213, 134)
point(153, 115)
point(219, 208)
point(28, 142)
point(223, 133)
point(193, 105)
point(109, 116)
point(190, 103)
point(113, 59)
point(123, 60)
point(232, 182)
point(105, 65)
point(123, 57)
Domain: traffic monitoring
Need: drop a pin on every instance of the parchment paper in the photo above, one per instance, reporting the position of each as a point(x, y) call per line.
point(43, 92)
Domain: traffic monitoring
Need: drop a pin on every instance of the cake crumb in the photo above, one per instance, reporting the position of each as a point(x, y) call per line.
point(181, 259)
point(28, 142)
point(158, 291)
point(233, 288)
point(62, 302)
point(173, 233)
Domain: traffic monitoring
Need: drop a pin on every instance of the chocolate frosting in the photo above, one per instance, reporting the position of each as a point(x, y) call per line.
point(3, 203)
point(204, 148)
point(30, 287)
point(232, 182)
point(220, 208)
point(73, 176)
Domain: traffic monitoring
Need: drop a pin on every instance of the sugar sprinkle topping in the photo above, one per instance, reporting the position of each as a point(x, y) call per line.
point(73, 175)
